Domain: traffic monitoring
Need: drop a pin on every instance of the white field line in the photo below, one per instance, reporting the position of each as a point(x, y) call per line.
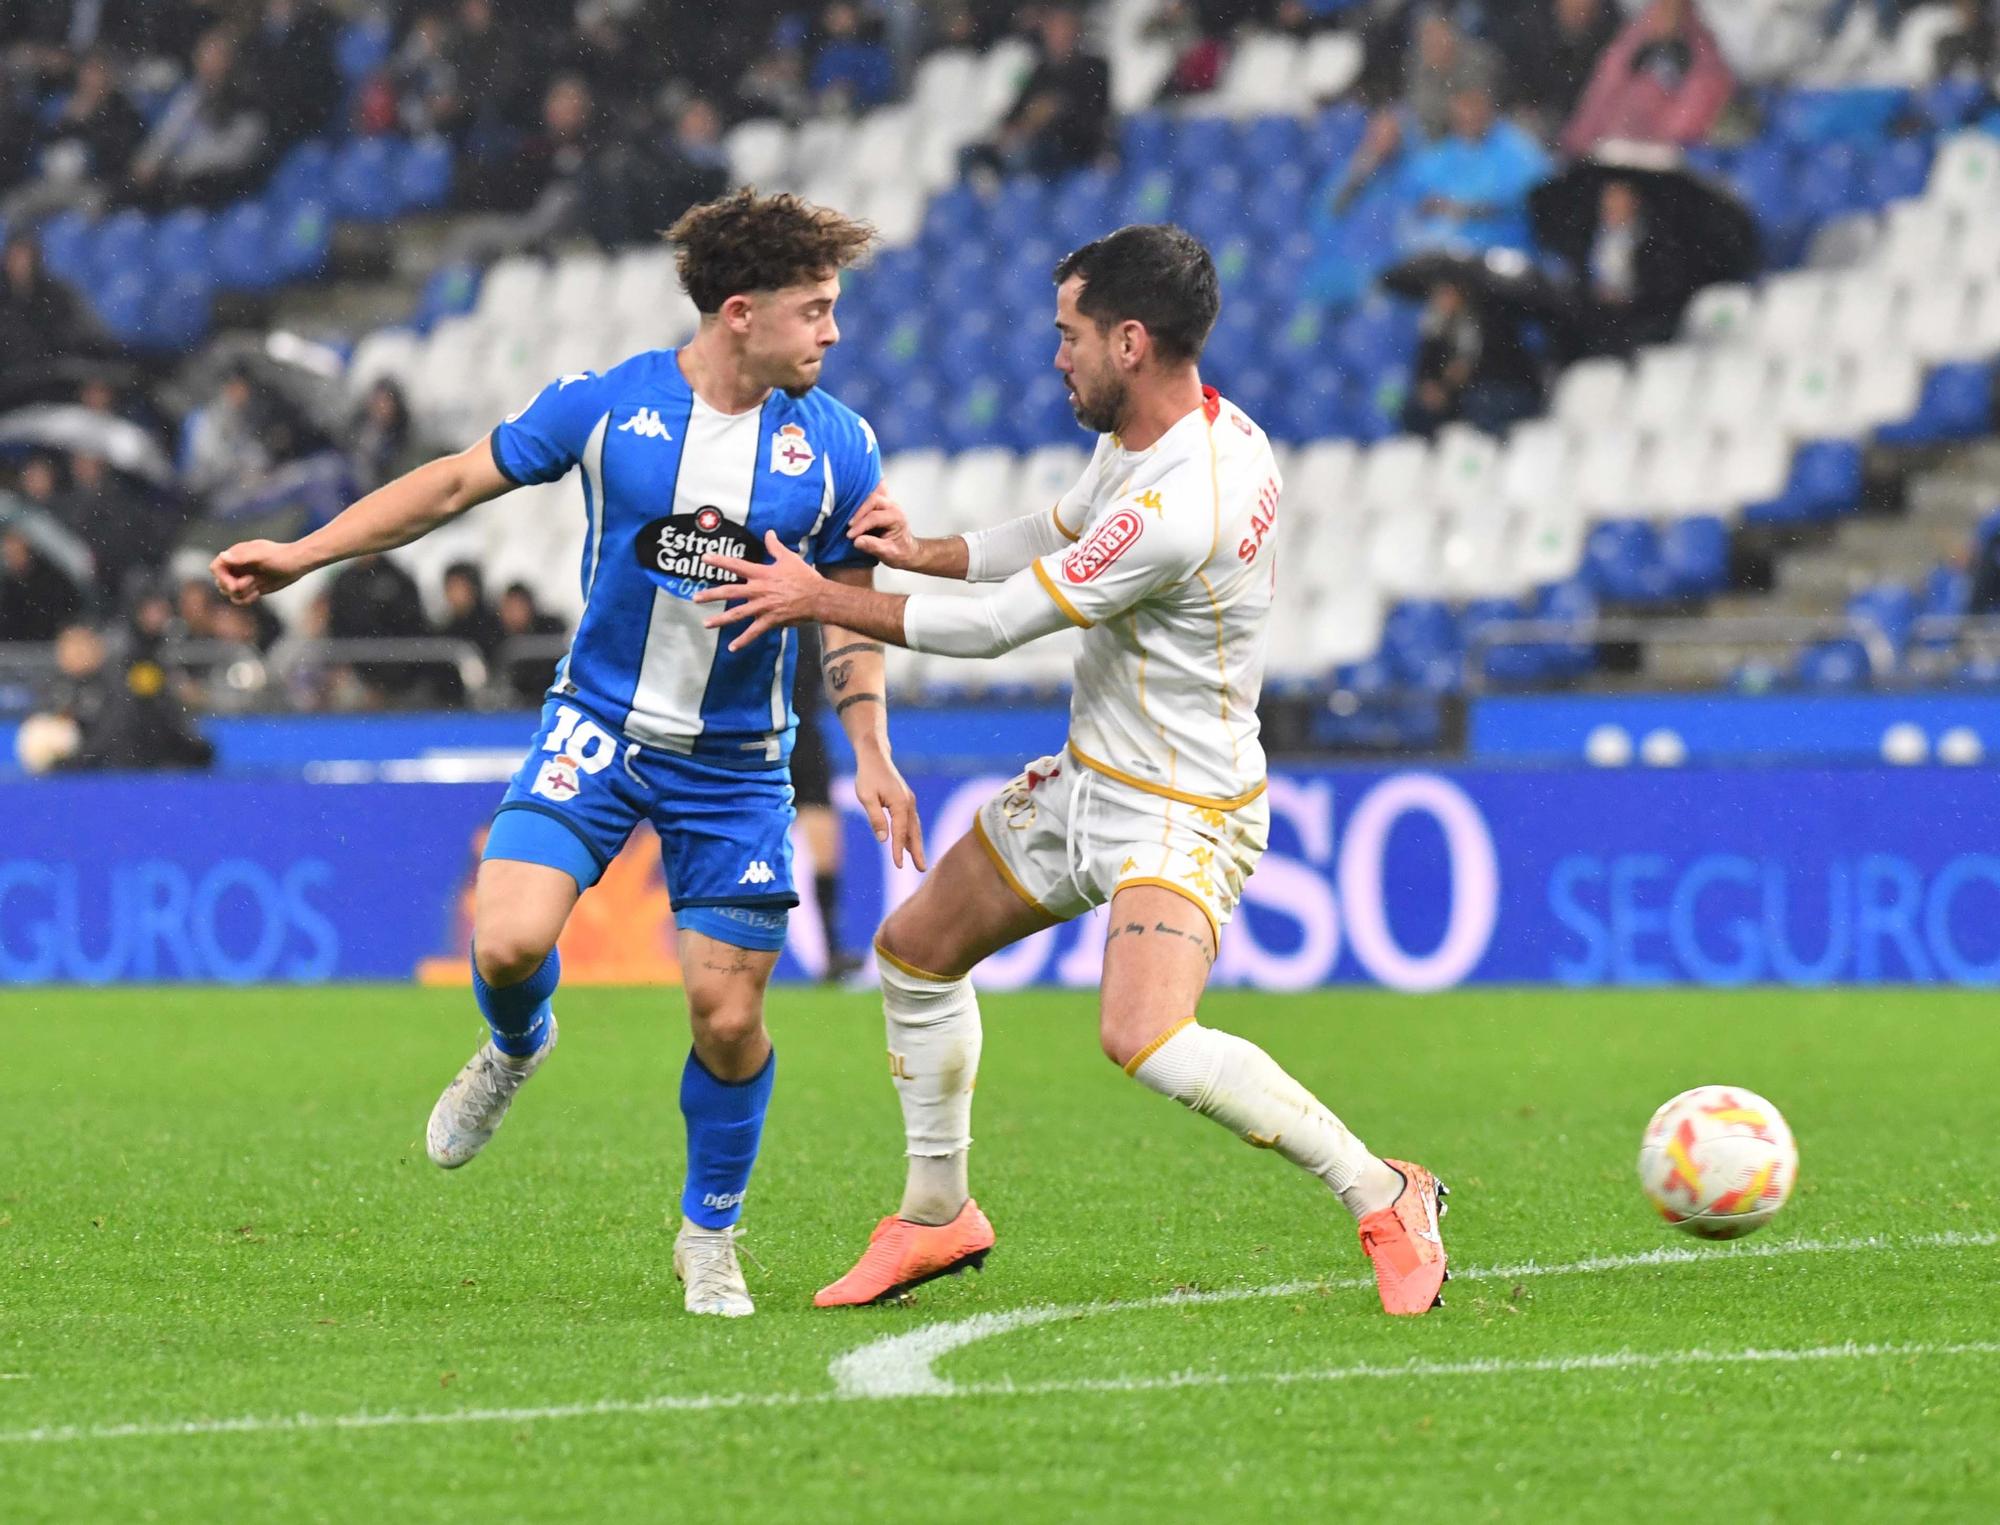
point(998, 1323)
point(903, 1365)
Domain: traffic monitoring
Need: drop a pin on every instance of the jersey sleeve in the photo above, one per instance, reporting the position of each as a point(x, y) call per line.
point(1139, 548)
point(854, 463)
point(545, 439)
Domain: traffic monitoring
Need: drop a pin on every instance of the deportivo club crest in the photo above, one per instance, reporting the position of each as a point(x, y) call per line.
point(791, 454)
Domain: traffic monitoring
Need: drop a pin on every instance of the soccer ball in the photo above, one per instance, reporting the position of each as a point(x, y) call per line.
point(1718, 1161)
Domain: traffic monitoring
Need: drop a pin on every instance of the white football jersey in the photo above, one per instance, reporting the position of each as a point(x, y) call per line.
point(1170, 572)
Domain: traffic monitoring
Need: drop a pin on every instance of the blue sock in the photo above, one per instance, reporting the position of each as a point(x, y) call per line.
point(725, 1120)
point(519, 1014)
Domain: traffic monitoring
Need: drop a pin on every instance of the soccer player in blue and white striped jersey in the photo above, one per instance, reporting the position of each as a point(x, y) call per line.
point(652, 716)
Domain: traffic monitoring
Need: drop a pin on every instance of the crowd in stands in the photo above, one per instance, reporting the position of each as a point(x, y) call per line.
point(601, 120)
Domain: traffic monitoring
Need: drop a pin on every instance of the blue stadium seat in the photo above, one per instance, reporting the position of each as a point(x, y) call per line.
point(452, 289)
point(1201, 142)
point(1695, 553)
point(125, 307)
point(1813, 118)
point(364, 185)
point(1147, 196)
point(424, 177)
point(1950, 103)
point(1836, 665)
point(954, 217)
point(1369, 679)
point(1380, 333)
point(180, 310)
point(1332, 137)
point(977, 415)
point(305, 173)
point(66, 241)
point(1276, 202)
point(1147, 138)
point(123, 242)
point(1947, 592)
point(1889, 608)
point(1043, 416)
point(1899, 171)
point(1829, 183)
point(1266, 145)
point(1312, 404)
point(246, 252)
point(364, 47)
point(1421, 642)
point(182, 245)
point(1020, 211)
point(1622, 562)
point(1825, 482)
point(1079, 210)
point(1957, 404)
point(1504, 661)
point(301, 240)
point(1568, 603)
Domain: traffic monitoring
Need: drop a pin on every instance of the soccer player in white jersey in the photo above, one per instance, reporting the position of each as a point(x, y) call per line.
point(713, 445)
point(1165, 554)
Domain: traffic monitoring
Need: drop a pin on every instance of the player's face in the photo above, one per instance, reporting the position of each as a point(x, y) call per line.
point(1097, 392)
point(790, 332)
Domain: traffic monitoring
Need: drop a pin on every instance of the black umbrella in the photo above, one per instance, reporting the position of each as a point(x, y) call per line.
point(1714, 232)
point(1496, 279)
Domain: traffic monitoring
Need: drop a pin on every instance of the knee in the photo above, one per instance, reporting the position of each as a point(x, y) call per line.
point(728, 1021)
point(903, 938)
point(508, 955)
point(1121, 1041)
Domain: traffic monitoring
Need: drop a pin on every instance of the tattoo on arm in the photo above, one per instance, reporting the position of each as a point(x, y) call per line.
point(851, 648)
point(854, 699)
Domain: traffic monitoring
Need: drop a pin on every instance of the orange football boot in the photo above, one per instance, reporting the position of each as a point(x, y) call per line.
point(902, 1255)
point(1403, 1241)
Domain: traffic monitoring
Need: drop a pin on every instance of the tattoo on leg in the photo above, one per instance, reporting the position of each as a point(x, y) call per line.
point(738, 961)
point(1161, 929)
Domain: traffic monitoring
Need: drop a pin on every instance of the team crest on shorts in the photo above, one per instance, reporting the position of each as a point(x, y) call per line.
point(791, 452)
point(557, 781)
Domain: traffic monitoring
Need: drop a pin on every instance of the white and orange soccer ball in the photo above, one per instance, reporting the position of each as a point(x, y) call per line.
point(1718, 1161)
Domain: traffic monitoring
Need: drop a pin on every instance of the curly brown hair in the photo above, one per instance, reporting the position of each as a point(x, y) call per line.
point(746, 242)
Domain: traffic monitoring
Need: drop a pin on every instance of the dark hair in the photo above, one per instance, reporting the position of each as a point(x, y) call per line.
point(1153, 274)
point(746, 242)
point(471, 572)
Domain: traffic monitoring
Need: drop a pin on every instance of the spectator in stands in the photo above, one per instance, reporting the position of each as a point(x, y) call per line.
point(36, 598)
point(1552, 48)
point(1447, 62)
point(492, 64)
point(1637, 283)
point(775, 83)
point(633, 191)
point(467, 615)
point(1972, 46)
point(114, 714)
point(41, 324)
point(1473, 365)
point(1470, 189)
point(381, 443)
point(1663, 81)
point(127, 530)
point(526, 677)
point(1886, 15)
point(1061, 118)
point(536, 186)
point(371, 598)
point(222, 443)
point(424, 75)
point(1200, 32)
point(210, 145)
point(85, 149)
point(289, 57)
point(851, 70)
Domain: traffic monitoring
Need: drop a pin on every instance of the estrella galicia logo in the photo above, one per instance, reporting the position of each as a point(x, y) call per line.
point(672, 549)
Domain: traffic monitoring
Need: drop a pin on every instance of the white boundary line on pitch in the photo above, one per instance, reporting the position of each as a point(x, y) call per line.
point(998, 1323)
point(903, 1365)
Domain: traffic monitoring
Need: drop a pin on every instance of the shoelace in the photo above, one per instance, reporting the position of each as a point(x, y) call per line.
point(710, 1260)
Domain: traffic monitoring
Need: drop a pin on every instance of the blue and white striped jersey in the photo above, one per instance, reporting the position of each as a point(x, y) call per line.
point(667, 479)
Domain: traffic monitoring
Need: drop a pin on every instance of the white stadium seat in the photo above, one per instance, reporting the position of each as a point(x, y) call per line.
point(1534, 466)
point(1735, 385)
point(1867, 315)
point(915, 479)
point(1395, 475)
point(1813, 390)
point(1609, 464)
point(512, 292)
point(1792, 312)
point(979, 489)
point(1886, 389)
point(1919, 238)
point(1938, 321)
point(823, 146)
point(1331, 64)
point(1262, 76)
point(1721, 315)
point(882, 144)
point(1138, 73)
point(1046, 474)
point(1005, 67)
point(1344, 626)
point(760, 153)
point(1465, 470)
point(942, 84)
point(1680, 476)
point(1402, 553)
point(1591, 393)
point(896, 208)
point(579, 289)
point(1752, 464)
point(1475, 557)
point(1548, 541)
point(1967, 173)
point(1665, 387)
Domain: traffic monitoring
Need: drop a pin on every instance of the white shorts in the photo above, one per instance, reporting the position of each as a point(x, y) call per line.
point(1066, 839)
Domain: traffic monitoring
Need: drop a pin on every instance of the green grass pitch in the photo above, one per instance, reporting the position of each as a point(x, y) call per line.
point(214, 1206)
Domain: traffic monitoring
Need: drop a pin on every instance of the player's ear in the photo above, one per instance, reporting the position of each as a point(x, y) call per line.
point(1132, 344)
point(735, 312)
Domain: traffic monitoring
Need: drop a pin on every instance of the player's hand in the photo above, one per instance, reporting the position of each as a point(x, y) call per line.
point(251, 568)
point(891, 807)
point(772, 593)
point(882, 529)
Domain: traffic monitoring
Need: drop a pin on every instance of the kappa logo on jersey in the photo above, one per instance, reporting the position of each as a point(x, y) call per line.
point(1110, 540)
point(1150, 500)
point(645, 423)
point(791, 452)
point(757, 873)
point(673, 548)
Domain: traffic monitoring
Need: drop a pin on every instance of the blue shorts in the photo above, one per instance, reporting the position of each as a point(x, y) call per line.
point(725, 832)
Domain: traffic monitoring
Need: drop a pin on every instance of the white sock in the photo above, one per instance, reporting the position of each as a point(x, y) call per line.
point(1234, 1082)
point(934, 1040)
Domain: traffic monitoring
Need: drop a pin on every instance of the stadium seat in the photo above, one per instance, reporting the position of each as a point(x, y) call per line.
point(246, 256)
point(364, 183)
point(301, 240)
point(1824, 482)
point(578, 290)
point(942, 83)
point(513, 294)
point(1681, 477)
point(1665, 387)
point(1608, 467)
point(1695, 553)
point(1591, 394)
point(1957, 403)
point(1938, 322)
point(181, 311)
point(386, 353)
point(1836, 665)
point(1722, 314)
point(1814, 395)
point(1262, 75)
point(759, 152)
point(423, 179)
point(1888, 388)
point(1395, 476)
point(1534, 465)
point(1329, 66)
point(1867, 314)
point(1792, 311)
point(1465, 470)
point(1401, 553)
point(1548, 541)
point(305, 173)
point(1476, 556)
point(1919, 238)
point(1752, 463)
point(1735, 386)
point(182, 244)
point(1622, 563)
point(1889, 609)
point(979, 489)
point(1967, 172)
point(1139, 70)
point(916, 478)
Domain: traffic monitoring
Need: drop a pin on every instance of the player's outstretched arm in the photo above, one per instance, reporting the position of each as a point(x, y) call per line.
point(857, 688)
point(394, 514)
point(882, 529)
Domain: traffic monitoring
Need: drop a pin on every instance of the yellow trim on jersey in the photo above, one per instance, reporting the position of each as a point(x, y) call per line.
point(1055, 513)
point(1062, 600)
point(911, 969)
point(1146, 786)
point(1132, 1064)
point(1214, 923)
point(1006, 873)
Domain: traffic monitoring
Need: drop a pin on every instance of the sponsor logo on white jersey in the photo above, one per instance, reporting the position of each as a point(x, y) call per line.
point(1113, 538)
point(646, 424)
point(791, 452)
point(757, 873)
point(722, 1201)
